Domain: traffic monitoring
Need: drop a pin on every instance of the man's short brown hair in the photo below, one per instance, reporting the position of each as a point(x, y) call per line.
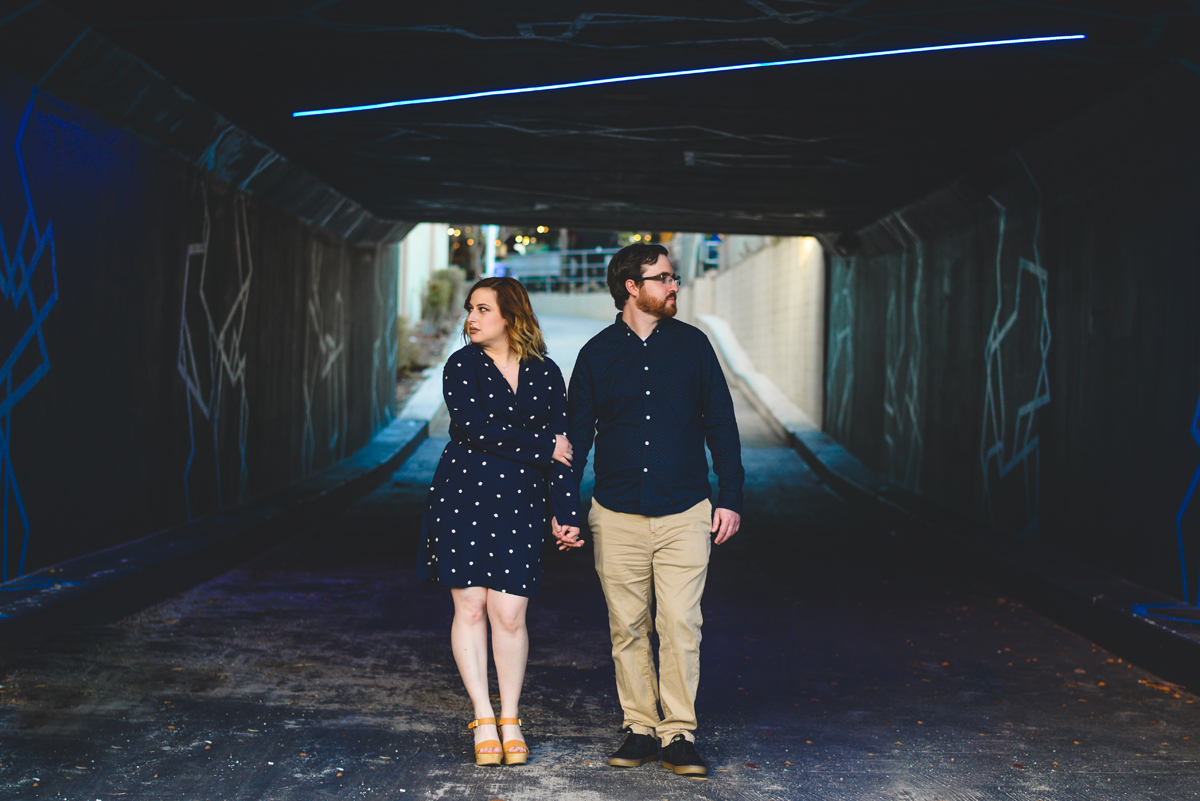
point(627, 264)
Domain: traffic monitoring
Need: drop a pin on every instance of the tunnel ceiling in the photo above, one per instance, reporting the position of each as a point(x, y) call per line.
point(797, 149)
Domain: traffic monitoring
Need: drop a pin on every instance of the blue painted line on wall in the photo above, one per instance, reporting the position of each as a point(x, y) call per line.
point(1183, 613)
point(19, 12)
point(16, 285)
point(62, 57)
point(1183, 507)
point(32, 583)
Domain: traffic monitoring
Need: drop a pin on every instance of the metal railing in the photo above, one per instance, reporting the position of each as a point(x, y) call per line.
point(560, 270)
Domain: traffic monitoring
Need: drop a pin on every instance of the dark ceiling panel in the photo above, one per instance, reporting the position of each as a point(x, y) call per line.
point(798, 149)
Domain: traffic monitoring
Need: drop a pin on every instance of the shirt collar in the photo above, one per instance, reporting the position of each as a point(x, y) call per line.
point(620, 321)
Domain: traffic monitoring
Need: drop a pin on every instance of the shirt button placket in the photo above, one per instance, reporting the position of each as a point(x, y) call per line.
point(646, 437)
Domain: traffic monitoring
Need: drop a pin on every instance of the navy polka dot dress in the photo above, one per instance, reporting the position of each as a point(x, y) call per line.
point(496, 485)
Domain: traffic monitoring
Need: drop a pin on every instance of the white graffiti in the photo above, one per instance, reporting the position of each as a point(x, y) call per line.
point(839, 381)
point(901, 406)
point(324, 364)
point(567, 30)
point(215, 364)
point(385, 350)
point(1004, 449)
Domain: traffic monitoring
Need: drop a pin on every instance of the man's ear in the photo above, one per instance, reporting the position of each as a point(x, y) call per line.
point(631, 287)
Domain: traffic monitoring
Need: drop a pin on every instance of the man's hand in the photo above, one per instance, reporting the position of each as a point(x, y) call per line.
point(562, 450)
point(725, 524)
point(567, 536)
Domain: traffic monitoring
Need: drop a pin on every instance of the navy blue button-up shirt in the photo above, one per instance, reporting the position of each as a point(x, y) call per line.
point(651, 406)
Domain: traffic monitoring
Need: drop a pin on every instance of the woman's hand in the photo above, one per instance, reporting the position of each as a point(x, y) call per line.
point(567, 536)
point(562, 449)
point(570, 538)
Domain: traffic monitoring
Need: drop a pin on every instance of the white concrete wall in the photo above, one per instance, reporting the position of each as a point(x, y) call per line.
point(774, 302)
point(424, 250)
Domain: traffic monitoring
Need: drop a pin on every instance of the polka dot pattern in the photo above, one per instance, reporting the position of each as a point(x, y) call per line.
point(496, 485)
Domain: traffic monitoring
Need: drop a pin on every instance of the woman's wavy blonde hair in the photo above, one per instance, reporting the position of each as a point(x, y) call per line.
point(524, 333)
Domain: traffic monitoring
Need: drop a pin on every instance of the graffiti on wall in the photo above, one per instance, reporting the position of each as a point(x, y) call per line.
point(1193, 598)
point(902, 355)
point(384, 354)
point(212, 356)
point(1189, 610)
point(1009, 442)
point(324, 365)
point(839, 380)
point(30, 283)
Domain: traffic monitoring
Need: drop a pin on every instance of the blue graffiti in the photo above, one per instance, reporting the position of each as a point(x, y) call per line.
point(35, 583)
point(34, 249)
point(1189, 610)
point(1183, 507)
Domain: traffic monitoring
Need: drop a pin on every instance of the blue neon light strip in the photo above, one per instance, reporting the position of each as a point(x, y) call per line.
point(599, 81)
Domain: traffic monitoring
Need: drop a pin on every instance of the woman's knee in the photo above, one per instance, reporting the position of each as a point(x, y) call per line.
point(507, 618)
point(470, 607)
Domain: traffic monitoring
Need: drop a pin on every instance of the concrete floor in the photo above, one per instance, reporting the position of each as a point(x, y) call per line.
point(838, 663)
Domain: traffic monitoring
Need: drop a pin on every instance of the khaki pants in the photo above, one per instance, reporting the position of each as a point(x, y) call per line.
point(667, 556)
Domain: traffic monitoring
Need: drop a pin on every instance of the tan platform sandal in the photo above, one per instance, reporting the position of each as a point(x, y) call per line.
point(511, 755)
point(493, 758)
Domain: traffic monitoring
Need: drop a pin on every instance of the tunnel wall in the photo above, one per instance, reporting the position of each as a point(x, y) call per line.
point(1023, 345)
point(173, 345)
point(772, 296)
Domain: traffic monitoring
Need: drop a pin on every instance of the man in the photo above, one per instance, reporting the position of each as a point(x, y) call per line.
point(650, 391)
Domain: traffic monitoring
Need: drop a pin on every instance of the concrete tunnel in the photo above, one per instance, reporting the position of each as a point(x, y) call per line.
point(956, 297)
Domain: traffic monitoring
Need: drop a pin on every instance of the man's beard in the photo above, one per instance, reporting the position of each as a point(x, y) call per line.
point(657, 308)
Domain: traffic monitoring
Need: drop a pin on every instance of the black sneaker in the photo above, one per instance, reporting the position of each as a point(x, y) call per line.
point(638, 749)
point(681, 757)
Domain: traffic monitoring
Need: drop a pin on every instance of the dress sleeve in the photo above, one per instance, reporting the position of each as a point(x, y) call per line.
point(564, 488)
point(473, 424)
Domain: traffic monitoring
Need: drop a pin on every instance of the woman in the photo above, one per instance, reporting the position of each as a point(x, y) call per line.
point(483, 528)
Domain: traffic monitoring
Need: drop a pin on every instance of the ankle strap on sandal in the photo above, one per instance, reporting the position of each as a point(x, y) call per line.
point(481, 722)
point(510, 721)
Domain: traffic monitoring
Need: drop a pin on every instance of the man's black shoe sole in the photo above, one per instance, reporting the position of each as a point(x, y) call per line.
point(615, 762)
point(686, 770)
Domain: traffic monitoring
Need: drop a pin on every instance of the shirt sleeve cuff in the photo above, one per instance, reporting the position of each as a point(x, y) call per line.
point(731, 501)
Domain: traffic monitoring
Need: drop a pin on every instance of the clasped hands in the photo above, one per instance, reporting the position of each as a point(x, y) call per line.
point(567, 536)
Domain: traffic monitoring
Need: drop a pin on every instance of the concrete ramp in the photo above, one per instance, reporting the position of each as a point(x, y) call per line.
point(566, 335)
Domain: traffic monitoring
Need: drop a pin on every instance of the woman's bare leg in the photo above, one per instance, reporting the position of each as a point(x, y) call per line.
point(468, 639)
point(510, 648)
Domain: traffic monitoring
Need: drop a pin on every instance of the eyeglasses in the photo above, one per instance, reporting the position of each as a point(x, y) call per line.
point(662, 278)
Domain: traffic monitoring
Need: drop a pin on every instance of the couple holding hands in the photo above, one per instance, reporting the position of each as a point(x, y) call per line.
point(649, 392)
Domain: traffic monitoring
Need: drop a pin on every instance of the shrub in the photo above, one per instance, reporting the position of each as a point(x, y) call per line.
point(408, 349)
point(443, 296)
